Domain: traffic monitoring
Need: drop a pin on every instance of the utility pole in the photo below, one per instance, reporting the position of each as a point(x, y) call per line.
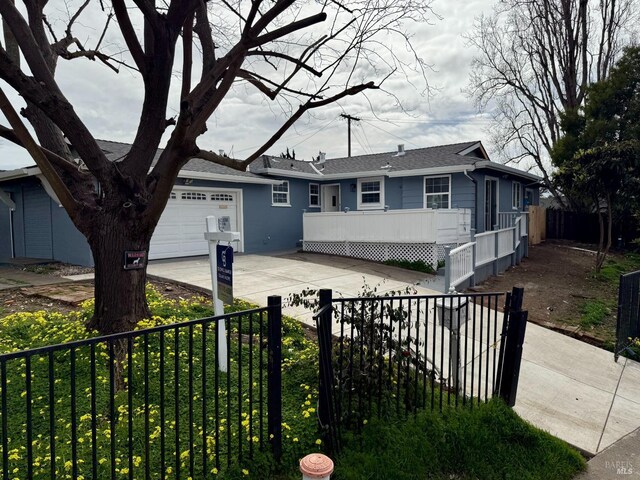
point(349, 118)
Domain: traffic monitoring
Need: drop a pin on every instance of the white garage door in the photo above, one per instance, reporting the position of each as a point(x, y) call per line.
point(180, 231)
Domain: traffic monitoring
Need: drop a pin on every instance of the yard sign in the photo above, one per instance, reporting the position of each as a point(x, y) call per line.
point(224, 261)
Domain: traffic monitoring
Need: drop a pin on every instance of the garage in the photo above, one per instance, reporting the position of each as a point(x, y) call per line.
point(180, 231)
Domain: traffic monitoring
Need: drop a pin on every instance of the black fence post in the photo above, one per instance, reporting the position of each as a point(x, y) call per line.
point(274, 375)
point(325, 390)
point(513, 337)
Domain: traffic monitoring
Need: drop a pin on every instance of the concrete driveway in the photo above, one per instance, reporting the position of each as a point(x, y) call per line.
point(567, 387)
point(255, 277)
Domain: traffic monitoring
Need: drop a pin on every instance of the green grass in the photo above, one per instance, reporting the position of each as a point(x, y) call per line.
point(488, 442)
point(417, 265)
point(239, 420)
point(615, 266)
point(594, 313)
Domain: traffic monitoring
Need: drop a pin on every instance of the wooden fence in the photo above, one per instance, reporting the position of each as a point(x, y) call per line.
point(537, 224)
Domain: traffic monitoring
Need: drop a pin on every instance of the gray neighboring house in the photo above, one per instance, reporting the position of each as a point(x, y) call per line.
point(266, 203)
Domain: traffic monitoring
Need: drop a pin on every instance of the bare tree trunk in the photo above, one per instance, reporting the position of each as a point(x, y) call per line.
point(120, 300)
point(599, 254)
point(603, 251)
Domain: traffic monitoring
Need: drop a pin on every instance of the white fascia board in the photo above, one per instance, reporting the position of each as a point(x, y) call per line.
point(505, 168)
point(293, 174)
point(19, 173)
point(49, 189)
point(472, 148)
point(227, 178)
point(432, 171)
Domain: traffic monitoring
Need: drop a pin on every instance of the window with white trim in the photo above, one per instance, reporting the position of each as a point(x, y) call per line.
point(370, 193)
point(314, 195)
point(437, 192)
point(516, 195)
point(280, 194)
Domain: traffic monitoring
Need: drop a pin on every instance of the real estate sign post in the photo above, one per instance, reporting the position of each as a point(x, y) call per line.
point(220, 278)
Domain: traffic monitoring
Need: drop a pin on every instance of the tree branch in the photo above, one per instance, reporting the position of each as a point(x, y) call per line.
point(296, 61)
point(301, 110)
point(129, 35)
point(63, 193)
point(287, 29)
point(56, 160)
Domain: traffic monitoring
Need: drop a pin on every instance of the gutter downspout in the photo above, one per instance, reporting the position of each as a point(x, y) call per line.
point(475, 196)
point(13, 247)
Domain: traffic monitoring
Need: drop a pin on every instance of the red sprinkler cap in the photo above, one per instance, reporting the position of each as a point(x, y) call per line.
point(316, 465)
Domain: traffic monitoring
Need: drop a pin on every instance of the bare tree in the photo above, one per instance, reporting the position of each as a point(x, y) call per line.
point(535, 60)
point(302, 54)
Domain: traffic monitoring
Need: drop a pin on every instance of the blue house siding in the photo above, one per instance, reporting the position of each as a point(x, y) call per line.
point(69, 245)
point(462, 192)
point(41, 229)
point(267, 228)
point(505, 182)
point(5, 232)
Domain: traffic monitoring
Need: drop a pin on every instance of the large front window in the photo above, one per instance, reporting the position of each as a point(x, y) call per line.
point(437, 192)
point(370, 193)
point(280, 194)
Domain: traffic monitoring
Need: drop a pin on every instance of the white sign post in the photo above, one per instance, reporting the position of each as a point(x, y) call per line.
point(214, 236)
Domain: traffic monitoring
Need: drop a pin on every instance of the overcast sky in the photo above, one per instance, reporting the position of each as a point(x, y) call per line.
point(109, 104)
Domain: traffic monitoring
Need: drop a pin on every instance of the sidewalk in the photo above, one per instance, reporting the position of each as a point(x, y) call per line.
point(620, 460)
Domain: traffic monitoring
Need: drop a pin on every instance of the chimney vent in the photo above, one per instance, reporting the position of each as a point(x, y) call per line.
point(400, 150)
point(322, 156)
point(221, 152)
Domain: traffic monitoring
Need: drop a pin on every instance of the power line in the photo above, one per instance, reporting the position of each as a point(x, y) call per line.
point(393, 135)
point(317, 132)
point(364, 132)
point(431, 122)
point(291, 135)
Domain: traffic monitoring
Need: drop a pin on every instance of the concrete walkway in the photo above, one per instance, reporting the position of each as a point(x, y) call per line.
point(569, 388)
point(12, 277)
point(620, 460)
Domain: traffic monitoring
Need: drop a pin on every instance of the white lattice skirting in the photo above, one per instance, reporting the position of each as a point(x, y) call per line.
point(430, 253)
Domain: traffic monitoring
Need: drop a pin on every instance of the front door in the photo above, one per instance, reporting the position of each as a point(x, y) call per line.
point(490, 203)
point(330, 198)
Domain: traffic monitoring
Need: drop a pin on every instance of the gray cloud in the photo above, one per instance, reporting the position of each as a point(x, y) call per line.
point(110, 104)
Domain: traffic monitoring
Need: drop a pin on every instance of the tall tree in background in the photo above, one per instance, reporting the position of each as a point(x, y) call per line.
point(304, 54)
point(535, 60)
point(598, 157)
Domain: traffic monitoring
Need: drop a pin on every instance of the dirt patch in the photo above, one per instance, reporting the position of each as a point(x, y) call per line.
point(66, 297)
point(560, 289)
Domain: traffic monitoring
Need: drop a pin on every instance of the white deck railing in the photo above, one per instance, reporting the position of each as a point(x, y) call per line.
point(392, 226)
point(486, 248)
point(505, 242)
point(461, 262)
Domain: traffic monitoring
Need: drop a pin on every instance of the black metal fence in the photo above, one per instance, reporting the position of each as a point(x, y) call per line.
point(390, 356)
point(628, 323)
point(154, 403)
